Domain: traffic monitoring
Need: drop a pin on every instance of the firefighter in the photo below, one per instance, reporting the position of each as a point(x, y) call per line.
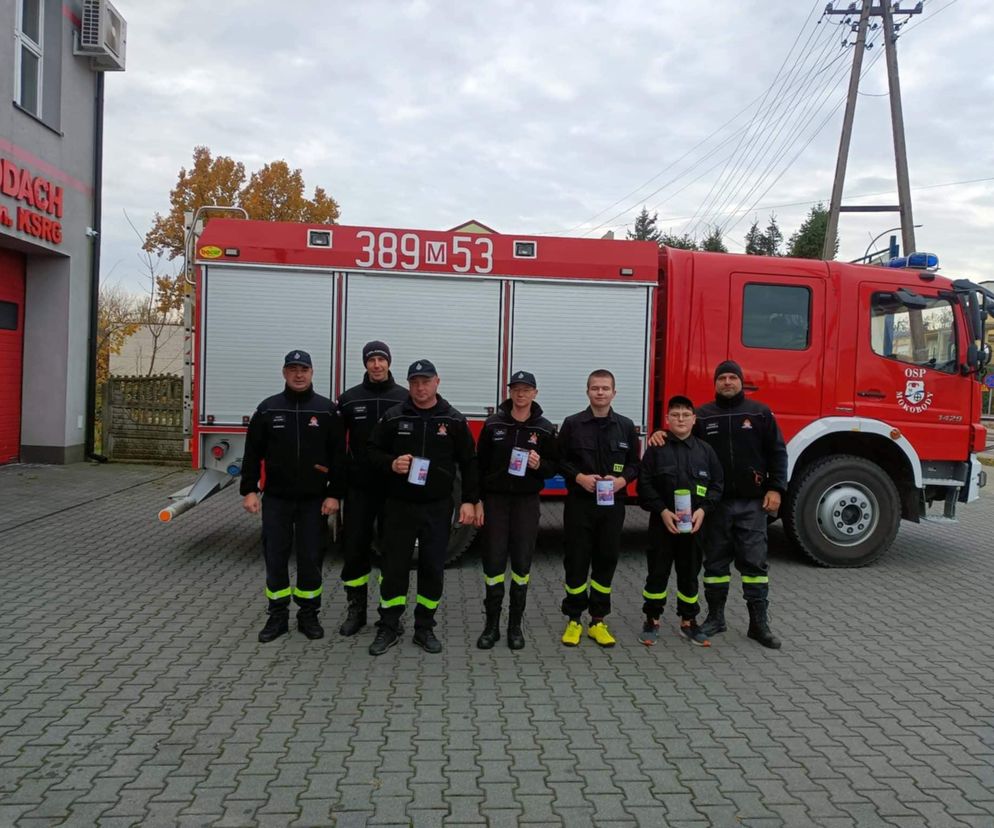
point(298, 436)
point(689, 468)
point(516, 454)
point(420, 445)
point(360, 408)
point(747, 439)
point(598, 456)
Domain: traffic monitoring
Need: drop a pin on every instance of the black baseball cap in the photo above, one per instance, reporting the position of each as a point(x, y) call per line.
point(298, 358)
point(680, 401)
point(523, 378)
point(422, 368)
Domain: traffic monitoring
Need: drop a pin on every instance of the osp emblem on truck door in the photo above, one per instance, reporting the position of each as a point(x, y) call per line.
point(915, 398)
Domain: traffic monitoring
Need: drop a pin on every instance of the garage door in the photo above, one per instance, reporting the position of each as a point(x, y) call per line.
point(11, 352)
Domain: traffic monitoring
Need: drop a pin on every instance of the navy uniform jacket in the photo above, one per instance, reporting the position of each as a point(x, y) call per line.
point(440, 434)
point(598, 445)
point(680, 464)
point(500, 434)
point(747, 439)
point(300, 438)
point(361, 408)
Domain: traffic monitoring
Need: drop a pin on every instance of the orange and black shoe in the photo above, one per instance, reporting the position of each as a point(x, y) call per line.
point(690, 631)
point(650, 632)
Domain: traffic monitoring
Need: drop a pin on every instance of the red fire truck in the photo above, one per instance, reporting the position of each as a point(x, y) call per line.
point(871, 371)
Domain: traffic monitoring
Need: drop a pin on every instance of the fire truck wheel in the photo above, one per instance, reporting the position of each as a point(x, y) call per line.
point(843, 511)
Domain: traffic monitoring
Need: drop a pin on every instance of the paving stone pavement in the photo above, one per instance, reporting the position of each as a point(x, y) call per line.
point(133, 691)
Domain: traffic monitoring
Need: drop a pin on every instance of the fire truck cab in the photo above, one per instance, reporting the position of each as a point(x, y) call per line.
point(870, 371)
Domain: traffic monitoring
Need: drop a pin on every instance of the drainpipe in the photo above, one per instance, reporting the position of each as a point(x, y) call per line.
point(91, 361)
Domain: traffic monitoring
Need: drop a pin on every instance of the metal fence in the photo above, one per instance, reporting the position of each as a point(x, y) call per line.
point(143, 419)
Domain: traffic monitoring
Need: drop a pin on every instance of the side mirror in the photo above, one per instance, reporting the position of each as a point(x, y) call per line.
point(984, 357)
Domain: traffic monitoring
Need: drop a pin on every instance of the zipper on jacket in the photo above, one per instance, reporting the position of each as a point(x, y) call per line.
point(297, 404)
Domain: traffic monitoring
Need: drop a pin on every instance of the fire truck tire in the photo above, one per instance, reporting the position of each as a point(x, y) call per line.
point(843, 511)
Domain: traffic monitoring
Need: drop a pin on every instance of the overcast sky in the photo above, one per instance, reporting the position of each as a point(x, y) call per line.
point(556, 117)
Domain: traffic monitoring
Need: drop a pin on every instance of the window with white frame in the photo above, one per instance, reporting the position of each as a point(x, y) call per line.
point(28, 60)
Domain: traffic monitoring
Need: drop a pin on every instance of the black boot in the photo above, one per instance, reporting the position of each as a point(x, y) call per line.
point(491, 605)
point(759, 625)
point(276, 625)
point(355, 620)
point(519, 595)
point(308, 624)
point(386, 637)
point(491, 632)
point(425, 638)
point(715, 622)
point(515, 638)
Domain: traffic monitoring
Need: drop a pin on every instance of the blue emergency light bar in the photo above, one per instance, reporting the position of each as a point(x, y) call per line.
point(916, 261)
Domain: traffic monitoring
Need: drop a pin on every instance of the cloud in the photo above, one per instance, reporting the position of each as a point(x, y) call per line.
point(537, 117)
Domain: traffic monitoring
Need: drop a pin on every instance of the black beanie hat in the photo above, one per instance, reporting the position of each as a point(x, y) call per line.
point(376, 348)
point(729, 366)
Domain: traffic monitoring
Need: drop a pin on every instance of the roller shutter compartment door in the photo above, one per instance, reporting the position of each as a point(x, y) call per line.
point(11, 353)
point(453, 322)
point(562, 332)
point(251, 319)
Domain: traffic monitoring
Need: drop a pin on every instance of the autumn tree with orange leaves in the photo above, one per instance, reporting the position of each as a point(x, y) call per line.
point(272, 193)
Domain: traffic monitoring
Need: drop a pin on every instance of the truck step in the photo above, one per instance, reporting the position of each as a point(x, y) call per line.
point(938, 519)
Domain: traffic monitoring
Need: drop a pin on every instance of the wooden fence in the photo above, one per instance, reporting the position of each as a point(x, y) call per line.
point(143, 419)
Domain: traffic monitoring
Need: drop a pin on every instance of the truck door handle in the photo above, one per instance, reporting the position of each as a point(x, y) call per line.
point(750, 388)
point(872, 394)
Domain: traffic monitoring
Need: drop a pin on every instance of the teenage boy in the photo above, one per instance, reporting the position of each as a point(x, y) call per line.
point(689, 469)
point(598, 457)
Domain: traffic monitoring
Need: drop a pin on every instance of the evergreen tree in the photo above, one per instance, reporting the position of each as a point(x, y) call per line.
point(713, 242)
point(774, 237)
point(766, 242)
point(809, 240)
point(645, 227)
point(683, 242)
point(754, 245)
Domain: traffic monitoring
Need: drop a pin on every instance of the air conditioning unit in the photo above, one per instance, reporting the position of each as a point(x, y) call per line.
point(103, 36)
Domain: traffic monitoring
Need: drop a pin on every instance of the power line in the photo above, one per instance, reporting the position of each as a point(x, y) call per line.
point(775, 147)
point(762, 96)
point(812, 202)
point(810, 113)
point(753, 130)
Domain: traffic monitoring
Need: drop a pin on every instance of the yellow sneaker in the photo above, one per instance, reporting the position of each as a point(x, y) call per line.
point(600, 634)
point(572, 635)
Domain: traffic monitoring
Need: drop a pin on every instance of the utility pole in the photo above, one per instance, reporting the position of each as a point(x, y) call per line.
point(903, 208)
point(832, 231)
point(897, 127)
